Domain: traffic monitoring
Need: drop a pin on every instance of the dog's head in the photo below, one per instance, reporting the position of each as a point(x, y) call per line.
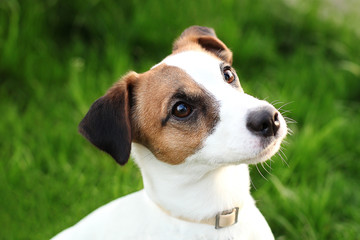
point(188, 108)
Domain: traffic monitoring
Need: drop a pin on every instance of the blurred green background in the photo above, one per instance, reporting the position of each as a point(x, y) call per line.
point(57, 57)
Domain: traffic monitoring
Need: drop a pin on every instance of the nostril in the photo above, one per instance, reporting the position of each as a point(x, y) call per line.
point(276, 123)
point(264, 122)
point(276, 115)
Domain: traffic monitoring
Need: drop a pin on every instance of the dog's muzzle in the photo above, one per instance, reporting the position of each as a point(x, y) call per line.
point(263, 122)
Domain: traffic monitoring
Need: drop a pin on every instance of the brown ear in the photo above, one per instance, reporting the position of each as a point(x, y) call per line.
point(107, 123)
point(204, 37)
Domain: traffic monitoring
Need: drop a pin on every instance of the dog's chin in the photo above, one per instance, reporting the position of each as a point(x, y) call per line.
point(261, 155)
point(267, 152)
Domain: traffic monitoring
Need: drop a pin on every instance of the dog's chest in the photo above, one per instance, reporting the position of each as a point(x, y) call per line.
point(136, 217)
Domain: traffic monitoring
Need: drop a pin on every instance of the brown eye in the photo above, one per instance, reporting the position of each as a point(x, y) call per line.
point(229, 76)
point(181, 110)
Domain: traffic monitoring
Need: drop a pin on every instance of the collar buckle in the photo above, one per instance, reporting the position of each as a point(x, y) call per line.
point(227, 218)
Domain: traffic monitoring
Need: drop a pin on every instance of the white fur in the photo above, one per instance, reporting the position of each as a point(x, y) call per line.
point(214, 179)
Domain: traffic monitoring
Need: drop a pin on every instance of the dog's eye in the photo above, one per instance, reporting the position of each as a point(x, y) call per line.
point(181, 110)
point(229, 76)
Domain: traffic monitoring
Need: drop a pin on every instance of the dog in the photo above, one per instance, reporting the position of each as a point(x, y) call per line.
point(193, 132)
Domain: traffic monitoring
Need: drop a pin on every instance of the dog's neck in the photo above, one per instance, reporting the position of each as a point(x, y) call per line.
point(189, 190)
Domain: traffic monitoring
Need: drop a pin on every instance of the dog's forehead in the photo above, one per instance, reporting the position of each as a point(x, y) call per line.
point(203, 68)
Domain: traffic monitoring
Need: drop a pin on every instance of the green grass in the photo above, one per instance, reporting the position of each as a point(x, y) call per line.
point(57, 57)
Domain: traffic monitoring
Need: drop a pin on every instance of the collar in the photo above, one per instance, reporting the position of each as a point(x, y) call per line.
point(223, 219)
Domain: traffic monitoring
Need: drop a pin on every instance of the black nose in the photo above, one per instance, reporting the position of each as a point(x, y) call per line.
point(263, 122)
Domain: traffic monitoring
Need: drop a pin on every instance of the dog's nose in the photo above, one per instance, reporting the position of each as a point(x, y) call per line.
point(263, 122)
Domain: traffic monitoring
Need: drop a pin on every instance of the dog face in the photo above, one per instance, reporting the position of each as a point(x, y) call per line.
point(188, 108)
point(248, 130)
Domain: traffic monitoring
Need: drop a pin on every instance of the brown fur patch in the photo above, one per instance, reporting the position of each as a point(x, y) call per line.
point(154, 95)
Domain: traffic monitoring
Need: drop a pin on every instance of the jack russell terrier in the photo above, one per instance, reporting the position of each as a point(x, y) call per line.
point(192, 131)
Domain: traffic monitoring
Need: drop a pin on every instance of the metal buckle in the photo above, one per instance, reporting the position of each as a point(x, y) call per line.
point(224, 213)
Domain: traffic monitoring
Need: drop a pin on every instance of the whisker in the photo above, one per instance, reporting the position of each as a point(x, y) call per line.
point(289, 120)
point(285, 104)
point(283, 112)
point(283, 157)
point(285, 142)
point(252, 184)
point(276, 102)
point(282, 149)
point(262, 164)
point(269, 166)
point(290, 131)
point(260, 172)
point(271, 161)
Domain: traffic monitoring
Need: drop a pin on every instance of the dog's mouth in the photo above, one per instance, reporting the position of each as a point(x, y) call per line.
point(268, 149)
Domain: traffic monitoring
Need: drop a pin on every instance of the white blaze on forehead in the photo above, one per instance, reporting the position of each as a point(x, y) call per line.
point(202, 67)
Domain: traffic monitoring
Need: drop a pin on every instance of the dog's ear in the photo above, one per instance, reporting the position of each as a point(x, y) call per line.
point(107, 123)
point(206, 38)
